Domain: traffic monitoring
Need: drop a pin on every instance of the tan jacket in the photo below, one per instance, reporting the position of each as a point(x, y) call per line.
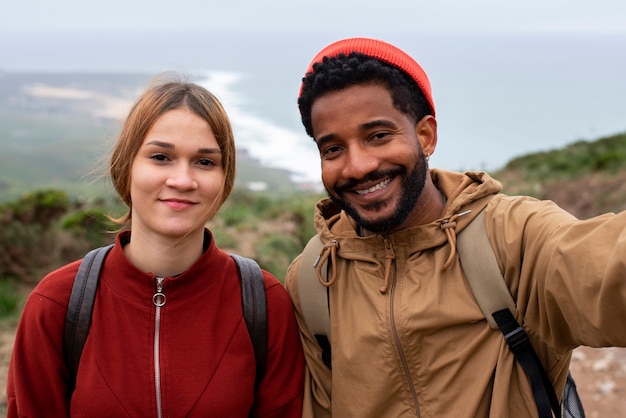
point(423, 348)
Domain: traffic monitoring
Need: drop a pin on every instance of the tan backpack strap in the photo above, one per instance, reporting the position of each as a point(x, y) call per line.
point(482, 270)
point(312, 294)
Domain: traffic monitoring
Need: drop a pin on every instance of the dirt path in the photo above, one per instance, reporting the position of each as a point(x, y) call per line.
point(6, 343)
point(600, 375)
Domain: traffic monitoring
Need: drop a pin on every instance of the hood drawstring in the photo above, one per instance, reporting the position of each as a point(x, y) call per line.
point(449, 226)
point(390, 255)
point(328, 250)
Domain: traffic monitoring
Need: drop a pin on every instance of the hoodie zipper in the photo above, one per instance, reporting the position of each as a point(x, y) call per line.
point(159, 300)
point(389, 252)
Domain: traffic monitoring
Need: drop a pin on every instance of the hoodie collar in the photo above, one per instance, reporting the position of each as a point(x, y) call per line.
point(466, 195)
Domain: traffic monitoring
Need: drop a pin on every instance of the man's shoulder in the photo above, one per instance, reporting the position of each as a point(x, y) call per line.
point(291, 278)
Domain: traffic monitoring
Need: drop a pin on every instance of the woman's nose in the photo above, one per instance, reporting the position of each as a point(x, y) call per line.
point(182, 178)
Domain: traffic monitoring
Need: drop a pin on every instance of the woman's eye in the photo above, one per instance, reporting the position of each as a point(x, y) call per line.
point(206, 162)
point(159, 157)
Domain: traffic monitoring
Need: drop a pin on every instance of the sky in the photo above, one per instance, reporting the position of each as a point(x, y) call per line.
point(509, 77)
point(578, 16)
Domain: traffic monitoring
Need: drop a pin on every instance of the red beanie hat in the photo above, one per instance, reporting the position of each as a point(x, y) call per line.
point(381, 51)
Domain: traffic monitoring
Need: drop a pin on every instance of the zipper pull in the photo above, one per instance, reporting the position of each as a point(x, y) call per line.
point(390, 255)
point(159, 297)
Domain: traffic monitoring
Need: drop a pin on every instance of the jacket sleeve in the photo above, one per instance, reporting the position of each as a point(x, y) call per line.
point(37, 378)
point(280, 392)
point(318, 377)
point(568, 275)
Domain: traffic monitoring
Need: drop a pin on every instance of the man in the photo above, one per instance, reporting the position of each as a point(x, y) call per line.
point(408, 338)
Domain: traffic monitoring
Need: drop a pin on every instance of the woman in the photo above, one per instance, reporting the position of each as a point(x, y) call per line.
point(174, 166)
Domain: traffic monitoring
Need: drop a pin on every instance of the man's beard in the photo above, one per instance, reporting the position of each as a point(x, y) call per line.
point(412, 185)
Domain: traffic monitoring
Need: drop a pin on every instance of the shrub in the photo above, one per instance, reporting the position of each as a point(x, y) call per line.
point(26, 236)
point(10, 298)
point(41, 207)
point(275, 252)
point(91, 223)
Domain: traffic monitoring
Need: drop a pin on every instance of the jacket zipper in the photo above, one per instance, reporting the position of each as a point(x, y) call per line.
point(390, 253)
point(159, 300)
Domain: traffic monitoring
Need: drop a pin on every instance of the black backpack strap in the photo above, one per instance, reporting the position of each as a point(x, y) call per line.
point(80, 308)
point(254, 308)
point(518, 341)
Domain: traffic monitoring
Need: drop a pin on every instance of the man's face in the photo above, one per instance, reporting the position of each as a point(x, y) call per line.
point(373, 166)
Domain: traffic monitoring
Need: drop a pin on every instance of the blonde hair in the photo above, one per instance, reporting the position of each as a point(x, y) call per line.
point(168, 92)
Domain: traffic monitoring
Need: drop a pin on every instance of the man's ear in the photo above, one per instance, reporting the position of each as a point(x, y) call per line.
point(426, 131)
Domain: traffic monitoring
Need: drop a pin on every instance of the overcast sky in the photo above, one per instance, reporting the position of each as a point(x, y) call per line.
point(547, 90)
point(568, 16)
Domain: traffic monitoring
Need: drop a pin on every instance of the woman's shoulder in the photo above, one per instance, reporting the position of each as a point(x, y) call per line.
point(275, 291)
point(57, 284)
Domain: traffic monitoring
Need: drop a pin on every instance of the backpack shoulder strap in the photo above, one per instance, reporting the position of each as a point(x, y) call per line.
point(482, 270)
point(312, 295)
point(80, 308)
point(314, 298)
point(485, 279)
point(254, 308)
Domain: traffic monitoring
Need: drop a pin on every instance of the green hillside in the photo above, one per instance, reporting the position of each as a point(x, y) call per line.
point(578, 159)
point(585, 177)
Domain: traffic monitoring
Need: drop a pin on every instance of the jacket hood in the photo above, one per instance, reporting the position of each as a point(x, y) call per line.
point(463, 191)
point(466, 195)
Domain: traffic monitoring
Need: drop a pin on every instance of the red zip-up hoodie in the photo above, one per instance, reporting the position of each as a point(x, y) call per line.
point(192, 357)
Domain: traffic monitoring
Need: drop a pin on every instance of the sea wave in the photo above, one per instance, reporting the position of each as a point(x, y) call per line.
point(272, 144)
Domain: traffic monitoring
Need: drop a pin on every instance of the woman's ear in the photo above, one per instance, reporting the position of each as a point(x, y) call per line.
point(426, 131)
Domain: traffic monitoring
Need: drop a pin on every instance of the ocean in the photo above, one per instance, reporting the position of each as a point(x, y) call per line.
point(497, 96)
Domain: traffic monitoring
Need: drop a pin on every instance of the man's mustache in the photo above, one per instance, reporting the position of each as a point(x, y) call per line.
point(371, 177)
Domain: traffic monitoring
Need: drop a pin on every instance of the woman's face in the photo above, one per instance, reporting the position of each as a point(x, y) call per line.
point(177, 177)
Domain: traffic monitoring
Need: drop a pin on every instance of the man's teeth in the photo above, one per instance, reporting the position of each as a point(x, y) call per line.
point(375, 187)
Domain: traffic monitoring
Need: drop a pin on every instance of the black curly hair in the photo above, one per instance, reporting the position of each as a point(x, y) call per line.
point(336, 73)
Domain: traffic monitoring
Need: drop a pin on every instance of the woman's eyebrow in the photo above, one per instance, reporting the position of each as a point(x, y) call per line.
point(161, 144)
point(209, 151)
point(172, 146)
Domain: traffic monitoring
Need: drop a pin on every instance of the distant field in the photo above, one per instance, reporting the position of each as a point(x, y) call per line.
point(40, 152)
point(43, 153)
point(56, 131)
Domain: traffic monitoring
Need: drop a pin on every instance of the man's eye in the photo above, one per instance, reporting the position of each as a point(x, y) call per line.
point(380, 135)
point(330, 151)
